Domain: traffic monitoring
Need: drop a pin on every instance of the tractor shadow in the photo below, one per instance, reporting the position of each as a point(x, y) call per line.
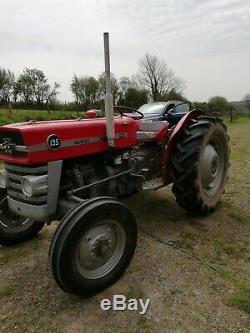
point(158, 213)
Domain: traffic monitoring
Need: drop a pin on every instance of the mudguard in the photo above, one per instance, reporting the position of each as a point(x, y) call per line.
point(169, 147)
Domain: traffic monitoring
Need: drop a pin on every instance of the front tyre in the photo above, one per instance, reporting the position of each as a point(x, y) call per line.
point(93, 246)
point(15, 228)
point(200, 165)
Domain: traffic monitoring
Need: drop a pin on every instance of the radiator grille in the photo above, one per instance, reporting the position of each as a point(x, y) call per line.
point(15, 174)
point(14, 139)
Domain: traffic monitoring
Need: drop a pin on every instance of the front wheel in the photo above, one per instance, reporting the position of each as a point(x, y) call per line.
point(93, 246)
point(200, 165)
point(15, 228)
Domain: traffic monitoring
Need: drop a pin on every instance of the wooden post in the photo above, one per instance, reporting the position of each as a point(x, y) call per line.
point(109, 109)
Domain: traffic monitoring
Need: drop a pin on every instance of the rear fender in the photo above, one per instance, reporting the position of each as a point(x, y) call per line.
point(169, 147)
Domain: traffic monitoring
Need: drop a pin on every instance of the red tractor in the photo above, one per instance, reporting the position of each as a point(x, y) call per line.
point(75, 170)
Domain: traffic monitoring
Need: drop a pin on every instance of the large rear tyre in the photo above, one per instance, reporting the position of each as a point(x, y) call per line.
point(200, 165)
point(14, 228)
point(93, 246)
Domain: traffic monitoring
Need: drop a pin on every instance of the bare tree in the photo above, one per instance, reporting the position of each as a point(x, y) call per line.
point(50, 97)
point(155, 75)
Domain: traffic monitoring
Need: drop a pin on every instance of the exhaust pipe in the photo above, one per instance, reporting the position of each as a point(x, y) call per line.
point(109, 109)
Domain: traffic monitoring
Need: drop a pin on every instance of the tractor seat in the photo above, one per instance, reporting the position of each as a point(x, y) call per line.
point(152, 130)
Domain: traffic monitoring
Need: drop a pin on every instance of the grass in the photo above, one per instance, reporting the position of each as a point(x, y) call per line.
point(25, 115)
point(241, 298)
point(6, 289)
point(237, 121)
point(238, 215)
point(135, 293)
point(3, 260)
point(231, 248)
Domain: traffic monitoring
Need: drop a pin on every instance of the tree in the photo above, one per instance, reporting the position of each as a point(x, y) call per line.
point(123, 85)
point(91, 91)
point(129, 94)
point(32, 85)
point(114, 86)
point(201, 105)
point(75, 88)
point(135, 97)
point(7, 80)
point(155, 75)
point(85, 90)
point(23, 88)
point(246, 100)
point(219, 104)
point(52, 93)
point(174, 95)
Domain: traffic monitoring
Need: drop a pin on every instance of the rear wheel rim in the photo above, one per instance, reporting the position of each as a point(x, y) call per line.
point(100, 249)
point(212, 167)
point(11, 222)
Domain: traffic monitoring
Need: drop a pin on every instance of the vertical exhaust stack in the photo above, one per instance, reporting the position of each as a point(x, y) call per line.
point(109, 109)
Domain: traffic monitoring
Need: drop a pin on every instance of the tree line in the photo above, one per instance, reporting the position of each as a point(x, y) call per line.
point(154, 81)
point(29, 88)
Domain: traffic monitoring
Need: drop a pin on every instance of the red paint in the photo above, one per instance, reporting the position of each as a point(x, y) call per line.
point(38, 132)
point(91, 113)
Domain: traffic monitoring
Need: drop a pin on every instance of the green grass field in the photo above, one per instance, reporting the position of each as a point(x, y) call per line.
point(7, 117)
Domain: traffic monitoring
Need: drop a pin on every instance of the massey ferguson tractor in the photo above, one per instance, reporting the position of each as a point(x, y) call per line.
point(75, 171)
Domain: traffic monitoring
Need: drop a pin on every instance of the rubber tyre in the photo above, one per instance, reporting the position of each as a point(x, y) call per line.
point(68, 235)
point(8, 236)
point(186, 164)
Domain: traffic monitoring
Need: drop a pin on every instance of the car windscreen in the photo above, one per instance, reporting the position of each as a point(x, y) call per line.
point(152, 108)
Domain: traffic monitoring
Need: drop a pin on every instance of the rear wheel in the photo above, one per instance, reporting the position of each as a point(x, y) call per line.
point(93, 246)
point(200, 165)
point(15, 228)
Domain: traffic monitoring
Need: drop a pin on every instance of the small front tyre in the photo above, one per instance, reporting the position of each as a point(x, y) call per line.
point(14, 228)
point(93, 246)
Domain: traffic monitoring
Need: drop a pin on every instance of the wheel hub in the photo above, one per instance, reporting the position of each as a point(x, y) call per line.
point(100, 246)
point(214, 165)
point(211, 169)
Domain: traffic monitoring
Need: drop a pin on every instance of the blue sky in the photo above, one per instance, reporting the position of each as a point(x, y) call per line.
point(206, 42)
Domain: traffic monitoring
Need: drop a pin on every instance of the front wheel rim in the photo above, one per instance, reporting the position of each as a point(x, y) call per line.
point(212, 167)
point(100, 249)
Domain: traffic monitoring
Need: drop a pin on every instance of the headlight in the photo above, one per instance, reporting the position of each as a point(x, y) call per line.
point(27, 187)
point(34, 185)
point(3, 179)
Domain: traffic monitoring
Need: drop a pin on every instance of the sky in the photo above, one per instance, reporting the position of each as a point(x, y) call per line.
point(206, 42)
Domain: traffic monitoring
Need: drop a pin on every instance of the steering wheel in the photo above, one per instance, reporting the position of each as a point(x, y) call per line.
point(131, 110)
